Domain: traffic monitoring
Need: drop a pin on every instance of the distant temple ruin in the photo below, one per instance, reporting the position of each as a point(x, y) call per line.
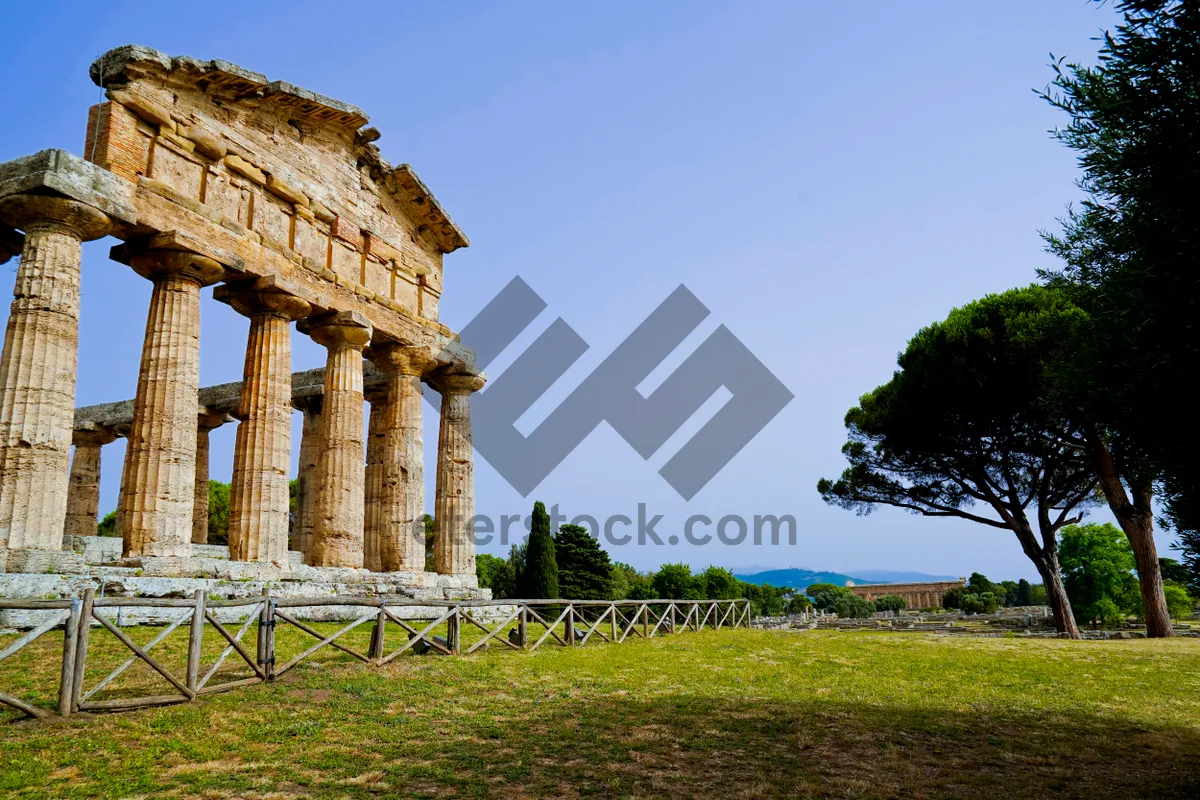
point(210, 173)
point(923, 594)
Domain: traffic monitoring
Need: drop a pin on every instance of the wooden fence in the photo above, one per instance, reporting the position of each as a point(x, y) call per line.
point(569, 623)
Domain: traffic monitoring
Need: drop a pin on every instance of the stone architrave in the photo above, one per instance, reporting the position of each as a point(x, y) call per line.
point(373, 530)
point(37, 368)
point(258, 494)
point(83, 487)
point(402, 482)
point(338, 516)
point(454, 496)
point(306, 481)
point(205, 423)
point(159, 481)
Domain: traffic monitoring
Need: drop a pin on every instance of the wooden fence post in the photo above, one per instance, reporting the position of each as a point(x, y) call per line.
point(645, 621)
point(612, 621)
point(377, 641)
point(671, 611)
point(569, 625)
point(523, 626)
point(67, 676)
point(266, 635)
point(195, 641)
point(81, 644)
point(453, 630)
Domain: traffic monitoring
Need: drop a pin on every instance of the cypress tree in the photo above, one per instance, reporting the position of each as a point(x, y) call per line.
point(539, 579)
point(1024, 593)
point(584, 569)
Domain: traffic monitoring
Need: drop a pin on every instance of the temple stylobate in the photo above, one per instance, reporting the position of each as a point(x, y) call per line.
point(214, 175)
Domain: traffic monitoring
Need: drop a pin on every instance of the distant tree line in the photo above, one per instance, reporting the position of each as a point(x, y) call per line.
point(570, 564)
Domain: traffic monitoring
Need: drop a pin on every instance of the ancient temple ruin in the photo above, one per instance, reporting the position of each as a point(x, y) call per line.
point(212, 174)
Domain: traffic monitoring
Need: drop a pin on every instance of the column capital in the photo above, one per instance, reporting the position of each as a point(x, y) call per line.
point(342, 329)
point(309, 404)
point(161, 263)
point(207, 419)
point(401, 358)
point(32, 211)
point(453, 381)
point(96, 435)
point(251, 302)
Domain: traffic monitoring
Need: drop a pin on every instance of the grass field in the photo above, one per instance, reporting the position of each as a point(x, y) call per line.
point(727, 714)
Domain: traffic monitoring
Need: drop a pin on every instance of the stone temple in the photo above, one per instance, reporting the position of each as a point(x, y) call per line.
point(209, 173)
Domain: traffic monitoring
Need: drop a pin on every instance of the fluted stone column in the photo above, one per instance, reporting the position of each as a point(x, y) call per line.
point(37, 368)
point(454, 496)
point(306, 481)
point(338, 517)
point(160, 460)
point(402, 479)
point(83, 486)
point(373, 530)
point(258, 494)
point(206, 422)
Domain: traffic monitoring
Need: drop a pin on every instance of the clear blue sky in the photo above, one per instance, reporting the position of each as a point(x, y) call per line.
point(827, 181)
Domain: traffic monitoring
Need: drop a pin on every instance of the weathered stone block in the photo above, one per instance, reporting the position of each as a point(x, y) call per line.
point(46, 562)
point(60, 172)
point(244, 168)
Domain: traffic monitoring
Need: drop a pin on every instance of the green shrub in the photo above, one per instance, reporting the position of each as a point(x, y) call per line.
point(953, 598)
point(218, 512)
point(1179, 603)
point(676, 582)
point(981, 603)
point(890, 602)
point(719, 584)
point(825, 595)
point(108, 525)
point(797, 604)
point(851, 606)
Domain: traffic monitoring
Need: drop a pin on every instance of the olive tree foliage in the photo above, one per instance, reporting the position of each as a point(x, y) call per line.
point(963, 430)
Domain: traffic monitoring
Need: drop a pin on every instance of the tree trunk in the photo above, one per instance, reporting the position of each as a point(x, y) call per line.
point(1056, 596)
point(1046, 560)
point(1136, 518)
point(1140, 531)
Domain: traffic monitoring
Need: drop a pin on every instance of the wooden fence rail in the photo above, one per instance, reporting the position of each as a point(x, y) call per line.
point(570, 623)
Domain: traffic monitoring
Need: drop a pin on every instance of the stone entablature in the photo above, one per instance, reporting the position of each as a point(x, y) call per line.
point(282, 166)
point(924, 594)
point(213, 174)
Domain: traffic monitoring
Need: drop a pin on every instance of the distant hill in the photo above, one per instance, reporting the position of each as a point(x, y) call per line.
point(796, 578)
point(898, 576)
